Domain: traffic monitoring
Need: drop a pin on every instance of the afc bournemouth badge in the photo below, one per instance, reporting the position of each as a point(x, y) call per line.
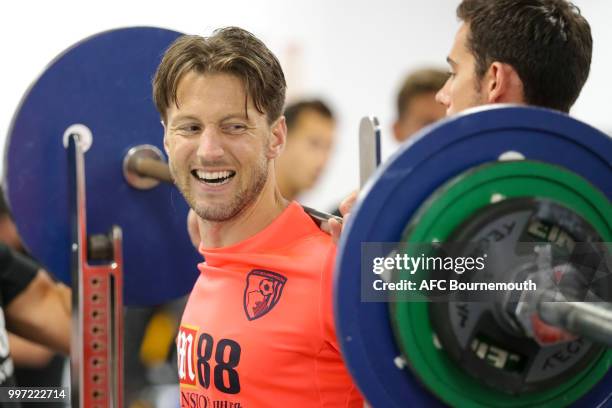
point(262, 292)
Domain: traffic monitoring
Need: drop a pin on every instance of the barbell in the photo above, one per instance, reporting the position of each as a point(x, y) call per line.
point(453, 182)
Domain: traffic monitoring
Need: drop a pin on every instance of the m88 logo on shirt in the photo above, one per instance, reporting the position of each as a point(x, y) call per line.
point(184, 349)
point(194, 360)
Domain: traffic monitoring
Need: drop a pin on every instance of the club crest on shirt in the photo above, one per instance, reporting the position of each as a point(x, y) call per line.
point(262, 292)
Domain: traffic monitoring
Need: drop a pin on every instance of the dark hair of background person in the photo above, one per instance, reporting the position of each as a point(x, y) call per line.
point(422, 81)
point(229, 50)
point(293, 111)
point(547, 42)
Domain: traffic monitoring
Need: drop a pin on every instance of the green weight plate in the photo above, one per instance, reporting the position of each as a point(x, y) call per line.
point(437, 218)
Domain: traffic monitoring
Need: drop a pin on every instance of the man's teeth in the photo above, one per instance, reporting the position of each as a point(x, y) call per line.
point(214, 176)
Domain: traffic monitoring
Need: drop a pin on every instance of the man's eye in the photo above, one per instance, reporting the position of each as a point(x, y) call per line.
point(234, 128)
point(189, 129)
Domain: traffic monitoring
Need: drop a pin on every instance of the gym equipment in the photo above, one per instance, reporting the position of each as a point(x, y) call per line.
point(391, 201)
point(89, 109)
point(458, 325)
point(96, 352)
point(369, 148)
point(100, 89)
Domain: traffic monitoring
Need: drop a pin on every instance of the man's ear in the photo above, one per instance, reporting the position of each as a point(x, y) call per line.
point(397, 131)
point(502, 84)
point(278, 138)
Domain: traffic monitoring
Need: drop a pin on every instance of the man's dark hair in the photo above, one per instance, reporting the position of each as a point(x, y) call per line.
point(293, 111)
point(230, 50)
point(422, 81)
point(547, 42)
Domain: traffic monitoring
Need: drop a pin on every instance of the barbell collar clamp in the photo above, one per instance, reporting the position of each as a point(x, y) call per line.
point(144, 167)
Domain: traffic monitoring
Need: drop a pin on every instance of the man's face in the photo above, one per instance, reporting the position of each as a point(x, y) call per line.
point(309, 143)
point(422, 110)
point(463, 89)
point(219, 158)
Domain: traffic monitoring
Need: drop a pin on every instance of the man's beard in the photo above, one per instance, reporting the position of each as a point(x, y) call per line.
point(236, 204)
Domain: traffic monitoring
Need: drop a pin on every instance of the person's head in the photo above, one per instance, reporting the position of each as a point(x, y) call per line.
point(535, 52)
point(416, 102)
point(221, 99)
point(310, 135)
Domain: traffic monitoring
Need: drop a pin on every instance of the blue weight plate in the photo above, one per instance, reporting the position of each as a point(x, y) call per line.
point(103, 82)
point(402, 184)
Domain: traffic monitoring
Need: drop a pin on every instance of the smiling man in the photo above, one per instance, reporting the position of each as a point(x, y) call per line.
point(258, 327)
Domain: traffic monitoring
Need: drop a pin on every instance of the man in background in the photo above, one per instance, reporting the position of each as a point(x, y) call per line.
point(416, 102)
point(310, 135)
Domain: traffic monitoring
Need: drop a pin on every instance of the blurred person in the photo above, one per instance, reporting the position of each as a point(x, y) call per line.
point(310, 135)
point(416, 102)
point(35, 364)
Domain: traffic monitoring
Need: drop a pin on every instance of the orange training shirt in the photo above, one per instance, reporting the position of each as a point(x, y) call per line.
point(258, 328)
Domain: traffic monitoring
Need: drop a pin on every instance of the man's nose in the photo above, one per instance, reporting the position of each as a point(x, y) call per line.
point(210, 145)
point(442, 96)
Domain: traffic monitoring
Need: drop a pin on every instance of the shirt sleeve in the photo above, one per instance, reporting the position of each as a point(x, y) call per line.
point(16, 273)
point(327, 300)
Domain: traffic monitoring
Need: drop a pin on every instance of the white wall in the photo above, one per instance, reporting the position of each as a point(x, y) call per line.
point(353, 53)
